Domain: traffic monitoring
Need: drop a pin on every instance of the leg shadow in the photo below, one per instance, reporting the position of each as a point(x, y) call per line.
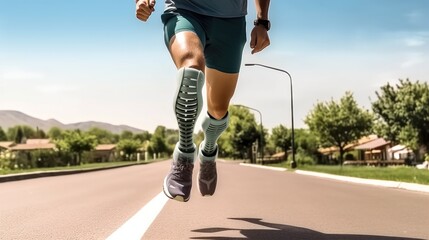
point(286, 232)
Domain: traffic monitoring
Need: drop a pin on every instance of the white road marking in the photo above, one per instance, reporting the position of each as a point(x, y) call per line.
point(138, 224)
point(264, 167)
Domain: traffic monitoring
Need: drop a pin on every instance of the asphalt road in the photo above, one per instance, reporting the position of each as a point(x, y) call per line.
point(250, 203)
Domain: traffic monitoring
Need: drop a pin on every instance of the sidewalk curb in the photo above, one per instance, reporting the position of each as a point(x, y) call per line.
point(31, 175)
point(264, 167)
point(381, 183)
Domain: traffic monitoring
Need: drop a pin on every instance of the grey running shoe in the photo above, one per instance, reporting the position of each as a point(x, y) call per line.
point(178, 182)
point(207, 177)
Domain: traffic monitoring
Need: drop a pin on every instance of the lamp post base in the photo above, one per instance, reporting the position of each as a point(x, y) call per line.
point(293, 165)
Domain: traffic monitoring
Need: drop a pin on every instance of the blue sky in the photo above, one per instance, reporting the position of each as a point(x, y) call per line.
point(93, 60)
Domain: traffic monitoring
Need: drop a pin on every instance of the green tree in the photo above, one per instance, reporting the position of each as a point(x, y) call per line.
point(28, 132)
point(103, 136)
point(127, 135)
point(77, 143)
point(241, 133)
point(3, 136)
point(171, 137)
point(281, 137)
point(40, 133)
point(116, 137)
point(129, 147)
point(55, 133)
point(19, 135)
point(402, 111)
point(339, 123)
point(158, 141)
point(306, 141)
point(142, 137)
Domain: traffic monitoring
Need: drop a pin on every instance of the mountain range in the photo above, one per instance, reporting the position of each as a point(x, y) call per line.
point(11, 118)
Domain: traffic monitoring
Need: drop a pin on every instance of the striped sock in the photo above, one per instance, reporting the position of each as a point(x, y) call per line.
point(212, 128)
point(187, 105)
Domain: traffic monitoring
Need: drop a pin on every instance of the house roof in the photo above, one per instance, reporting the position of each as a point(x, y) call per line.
point(280, 154)
point(399, 149)
point(6, 145)
point(349, 146)
point(21, 147)
point(105, 147)
point(377, 143)
point(328, 150)
point(38, 141)
point(361, 141)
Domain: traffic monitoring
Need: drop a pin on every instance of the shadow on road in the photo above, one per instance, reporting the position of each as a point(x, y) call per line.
point(286, 232)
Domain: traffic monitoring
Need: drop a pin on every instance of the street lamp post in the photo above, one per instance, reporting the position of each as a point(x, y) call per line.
point(293, 163)
point(262, 129)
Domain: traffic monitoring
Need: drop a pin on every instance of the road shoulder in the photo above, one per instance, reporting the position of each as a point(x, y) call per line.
point(373, 182)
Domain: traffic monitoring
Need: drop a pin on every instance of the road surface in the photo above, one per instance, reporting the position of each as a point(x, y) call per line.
point(250, 203)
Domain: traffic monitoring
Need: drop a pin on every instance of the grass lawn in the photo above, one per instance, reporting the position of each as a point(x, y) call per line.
point(83, 166)
point(394, 173)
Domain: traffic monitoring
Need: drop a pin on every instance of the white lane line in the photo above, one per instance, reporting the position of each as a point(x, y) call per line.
point(264, 167)
point(138, 224)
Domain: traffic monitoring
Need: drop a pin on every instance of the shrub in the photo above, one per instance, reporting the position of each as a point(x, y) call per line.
point(302, 158)
point(349, 156)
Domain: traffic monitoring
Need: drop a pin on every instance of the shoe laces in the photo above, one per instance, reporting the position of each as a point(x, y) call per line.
point(183, 169)
point(208, 169)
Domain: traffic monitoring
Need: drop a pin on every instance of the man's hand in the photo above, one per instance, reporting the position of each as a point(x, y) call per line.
point(259, 39)
point(144, 9)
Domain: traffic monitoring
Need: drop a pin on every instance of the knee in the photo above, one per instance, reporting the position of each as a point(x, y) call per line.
point(192, 59)
point(218, 111)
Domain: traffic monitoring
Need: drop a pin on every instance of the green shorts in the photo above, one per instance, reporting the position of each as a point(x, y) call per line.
point(223, 39)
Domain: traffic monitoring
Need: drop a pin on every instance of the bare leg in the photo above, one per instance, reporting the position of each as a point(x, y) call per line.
point(186, 51)
point(220, 89)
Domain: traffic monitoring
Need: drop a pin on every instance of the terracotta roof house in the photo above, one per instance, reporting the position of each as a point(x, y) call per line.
point(38, 141)
point(104, 153)
point(350, 146)
point(373, 150)
point(5, 148)
point(34, 144)
point(6, 145)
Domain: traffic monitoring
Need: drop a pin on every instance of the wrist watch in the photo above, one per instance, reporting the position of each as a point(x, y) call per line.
point(265, 23)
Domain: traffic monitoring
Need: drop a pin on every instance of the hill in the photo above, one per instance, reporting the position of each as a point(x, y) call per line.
point(11, 118)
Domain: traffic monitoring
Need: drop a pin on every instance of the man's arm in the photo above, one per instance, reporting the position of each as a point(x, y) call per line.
point(259, 37)
point(262, 7)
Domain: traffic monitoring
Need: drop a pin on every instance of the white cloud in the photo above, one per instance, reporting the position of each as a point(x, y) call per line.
point(414, 42)
point(412, 60)
point(410, 39)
